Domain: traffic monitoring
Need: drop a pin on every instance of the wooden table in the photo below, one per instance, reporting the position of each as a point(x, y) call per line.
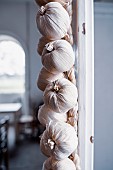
point(13, 108)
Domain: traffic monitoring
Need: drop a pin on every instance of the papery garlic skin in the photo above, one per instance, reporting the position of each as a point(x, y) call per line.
point(61, 95)
point(46, 115)
point(45, 77)
point(59, 58)
point(53, 21)
point(52, 164)
point(64, 3)
point(41, 44)
point(76, 160)
point(64, 137)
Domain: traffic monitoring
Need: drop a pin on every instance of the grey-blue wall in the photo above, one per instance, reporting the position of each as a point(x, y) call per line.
point(103, 86)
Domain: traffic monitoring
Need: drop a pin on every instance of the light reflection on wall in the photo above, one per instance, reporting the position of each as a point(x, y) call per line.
point(12, 67)
point(103, 0)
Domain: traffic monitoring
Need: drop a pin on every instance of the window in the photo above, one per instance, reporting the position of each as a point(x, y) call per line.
point(12, 66)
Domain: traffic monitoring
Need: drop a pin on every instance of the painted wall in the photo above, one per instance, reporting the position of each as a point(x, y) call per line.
point(17, 19)
point(103, 86)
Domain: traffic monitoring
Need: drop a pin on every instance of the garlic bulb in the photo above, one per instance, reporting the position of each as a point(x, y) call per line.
point(52, 164)
point(69, 10)
point(58, 56)
point(69, 36)
point(67, 4)
point(41, 44)
point(61, 95)
point(44, 2)
point(46, 115)
point(70, 75)
point(72, 117)
point(58, 140)
point(53, 21)
point(46, 77)
point(76, 159)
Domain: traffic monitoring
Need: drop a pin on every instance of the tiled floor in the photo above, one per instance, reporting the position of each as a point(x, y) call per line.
point(25, 154)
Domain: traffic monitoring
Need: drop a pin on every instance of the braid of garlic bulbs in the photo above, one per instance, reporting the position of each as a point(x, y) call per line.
point(70, 75)
point(76, 159)
point(72, 114)
point(56, 79)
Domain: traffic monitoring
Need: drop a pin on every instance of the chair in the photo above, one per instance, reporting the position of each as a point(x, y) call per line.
point(26, 124)
point(29, 125)
point(4, 161)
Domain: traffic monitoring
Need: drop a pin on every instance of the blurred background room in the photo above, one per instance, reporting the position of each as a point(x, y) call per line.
point(19, 94)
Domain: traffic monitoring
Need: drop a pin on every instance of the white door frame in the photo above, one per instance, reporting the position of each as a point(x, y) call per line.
point(86, 82)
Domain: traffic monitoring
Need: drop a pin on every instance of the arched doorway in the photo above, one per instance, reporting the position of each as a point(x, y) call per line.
point(12, 69)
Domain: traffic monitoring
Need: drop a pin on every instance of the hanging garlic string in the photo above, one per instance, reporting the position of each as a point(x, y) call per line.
point(59, 140)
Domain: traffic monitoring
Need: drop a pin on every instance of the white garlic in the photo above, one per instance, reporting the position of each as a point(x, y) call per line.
point(61, 95)
point(45, 77)
point(46, 115)
point(52, 164)
point(58, 56)
point(64, 138)
point(53, 21)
